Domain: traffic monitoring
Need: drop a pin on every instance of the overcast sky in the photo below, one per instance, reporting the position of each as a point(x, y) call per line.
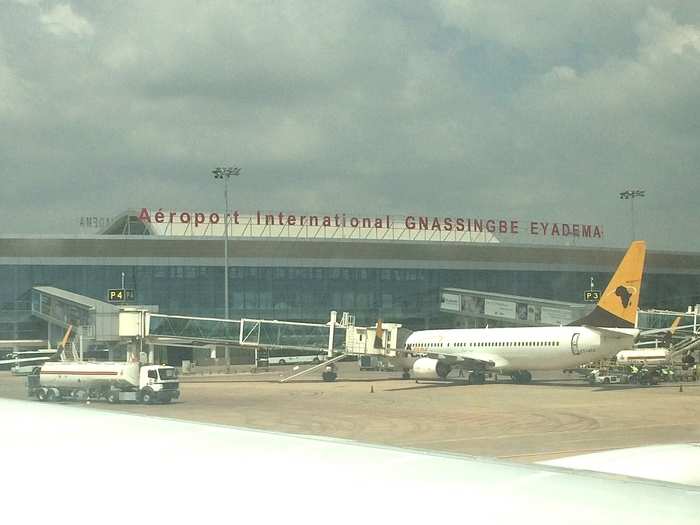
point(532, 110)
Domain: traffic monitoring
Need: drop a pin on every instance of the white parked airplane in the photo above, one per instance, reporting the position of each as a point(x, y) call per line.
point(608, 329)
point(108, 467)
point(31, 356)
point(37, 356)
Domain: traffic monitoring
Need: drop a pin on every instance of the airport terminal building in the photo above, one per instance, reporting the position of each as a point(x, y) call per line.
point(299, 267)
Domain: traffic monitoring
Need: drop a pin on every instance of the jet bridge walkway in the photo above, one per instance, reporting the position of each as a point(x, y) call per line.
point(254, 333)
point(106, 324)
point(336, 339)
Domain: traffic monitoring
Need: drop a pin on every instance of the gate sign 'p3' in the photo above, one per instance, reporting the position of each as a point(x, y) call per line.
point(591, 295)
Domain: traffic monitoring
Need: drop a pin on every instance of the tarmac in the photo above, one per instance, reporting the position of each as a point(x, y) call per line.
point(556, 415)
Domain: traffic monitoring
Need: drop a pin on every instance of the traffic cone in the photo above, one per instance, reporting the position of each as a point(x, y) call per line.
point(680, 388)
point(371, 389)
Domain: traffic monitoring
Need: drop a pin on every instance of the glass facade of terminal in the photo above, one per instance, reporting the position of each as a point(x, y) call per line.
point(408, 296)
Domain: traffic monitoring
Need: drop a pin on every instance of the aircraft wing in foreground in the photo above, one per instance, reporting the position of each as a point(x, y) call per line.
point(108, 466)
point(677, 463)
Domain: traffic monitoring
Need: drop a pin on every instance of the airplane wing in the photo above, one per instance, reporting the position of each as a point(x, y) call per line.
point(22, 360)
point(670, 330)
point(274, 477)
point(472, 360)
point(614, 333)
point(677, 463)
point(46, 351)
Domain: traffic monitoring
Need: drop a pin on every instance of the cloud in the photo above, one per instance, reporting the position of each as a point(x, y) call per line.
point(10, 89)
point(546, 30)
point(534, 109)
point(62, 21)
point(661, 36)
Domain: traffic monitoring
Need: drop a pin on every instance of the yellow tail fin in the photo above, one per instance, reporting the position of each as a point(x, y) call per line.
point(621, 297)
point(378, 333)
point(617, 307)
point(674, 325)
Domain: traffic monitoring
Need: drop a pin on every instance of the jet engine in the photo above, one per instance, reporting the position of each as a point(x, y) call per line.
point(427, 368)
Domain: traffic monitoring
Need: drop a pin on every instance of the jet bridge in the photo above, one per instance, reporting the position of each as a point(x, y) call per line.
point(287, 335)
point(333, 338)
point(255, 333)
point(93, 322)
point(163, 327)
point(140, 329)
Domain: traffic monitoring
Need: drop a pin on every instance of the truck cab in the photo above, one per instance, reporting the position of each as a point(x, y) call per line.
point(158, 383)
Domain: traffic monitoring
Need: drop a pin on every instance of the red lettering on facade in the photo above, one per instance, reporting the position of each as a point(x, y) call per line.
point(507, 226)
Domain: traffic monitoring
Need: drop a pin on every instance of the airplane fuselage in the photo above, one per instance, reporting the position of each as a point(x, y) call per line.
point(536, 348)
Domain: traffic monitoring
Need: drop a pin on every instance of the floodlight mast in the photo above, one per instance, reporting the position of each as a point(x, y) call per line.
point(225, 173)
point(631, 195)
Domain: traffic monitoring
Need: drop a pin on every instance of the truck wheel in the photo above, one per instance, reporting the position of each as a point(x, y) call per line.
point(148, 396)
point(113, 397)
point(80, 395)
point(41, 394)
point(53, 395)
point(282, 362)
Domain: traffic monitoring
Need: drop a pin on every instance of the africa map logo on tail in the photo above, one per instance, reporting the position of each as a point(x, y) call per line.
point(624, 294)
point(617, 307)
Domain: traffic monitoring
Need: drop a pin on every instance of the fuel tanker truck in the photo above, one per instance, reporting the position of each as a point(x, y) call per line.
point(113, 381)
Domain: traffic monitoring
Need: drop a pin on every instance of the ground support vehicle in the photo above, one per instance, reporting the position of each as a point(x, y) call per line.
point(113, 381)
point(609, 376)
point(376, 363)
point(644, 376)
point(330, 373)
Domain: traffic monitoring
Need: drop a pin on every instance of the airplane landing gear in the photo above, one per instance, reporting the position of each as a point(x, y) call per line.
point(406, 374)
point(521, 377)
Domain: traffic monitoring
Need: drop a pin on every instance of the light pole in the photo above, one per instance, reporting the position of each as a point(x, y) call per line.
point(225, 173)
point(631, 195)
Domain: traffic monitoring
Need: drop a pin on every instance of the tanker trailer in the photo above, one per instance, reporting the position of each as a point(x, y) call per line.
point(113, 381)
